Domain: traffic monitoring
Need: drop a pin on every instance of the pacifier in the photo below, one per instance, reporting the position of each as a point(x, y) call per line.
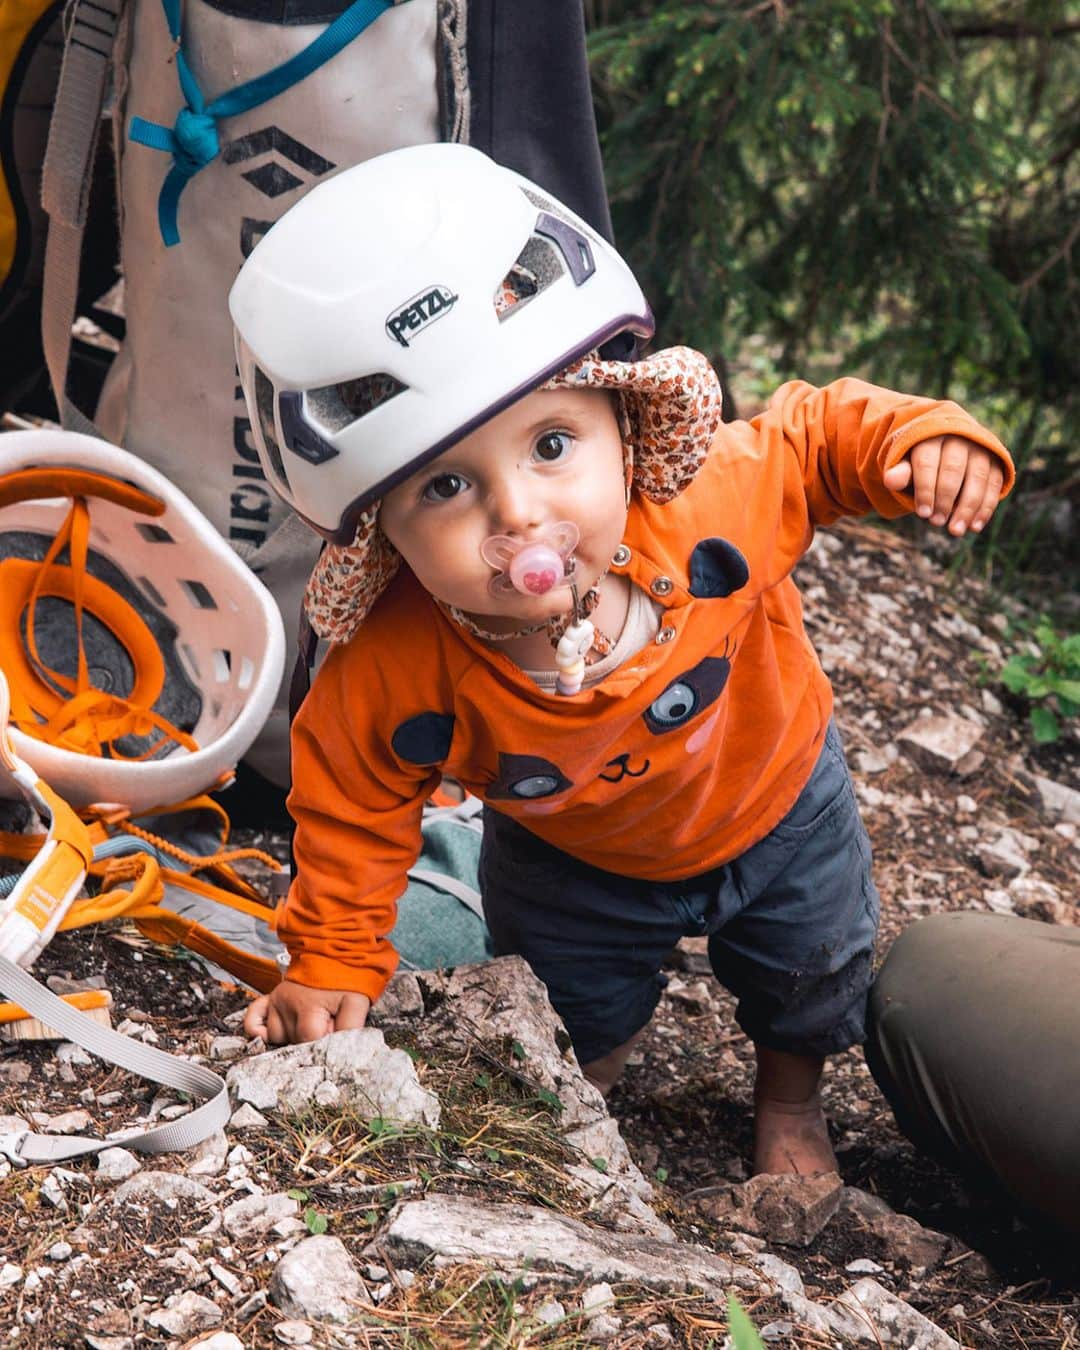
point(534, 566)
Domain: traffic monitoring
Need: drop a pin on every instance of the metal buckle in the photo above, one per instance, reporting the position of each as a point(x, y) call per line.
point(10, 1145)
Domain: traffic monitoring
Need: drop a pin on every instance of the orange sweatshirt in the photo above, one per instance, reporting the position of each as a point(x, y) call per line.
point(681, 759)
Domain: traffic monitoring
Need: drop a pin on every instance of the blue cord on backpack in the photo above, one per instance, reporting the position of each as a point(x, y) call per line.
point(193, 138)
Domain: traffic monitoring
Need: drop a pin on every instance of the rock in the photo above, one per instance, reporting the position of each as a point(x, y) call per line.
point(871, 761)
point(1036, 899)
point(293, 1333)
point(597, 1297)
point(185, 1314)
point(517, 1237)
point(902, 1238)
point(938, 744)
point(162, 1188)
point(183, 1263)
point(247, 1118)
point(895, 1322)
point(785, 1209)
point(220, 1340)
point(603, 1327)
point(500, 1003)
point(367, 1075)
point(1059, 802)
point(117, 1164)
point(10, 1274)
point(69, 1053)
point(550, 1313)
point(317, 1279)
point(207, 1158)
point(256, 1213)
point(70, 1122)
point(60, 1251)
point(968, 764)
point(228, 1047)
point(400, 1000)
point(696, 997)
point(52, 1192)
point(1003, 856)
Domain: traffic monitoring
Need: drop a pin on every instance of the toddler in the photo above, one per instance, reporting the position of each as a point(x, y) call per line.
point(554, 576)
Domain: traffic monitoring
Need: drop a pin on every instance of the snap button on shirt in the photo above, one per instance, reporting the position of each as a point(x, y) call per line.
point(662, 586)
point(621, 556)
point(665, 635)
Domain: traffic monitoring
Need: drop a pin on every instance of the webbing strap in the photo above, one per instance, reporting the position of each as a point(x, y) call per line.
point(65, 184)
point(168, 1070)
point(192, 140)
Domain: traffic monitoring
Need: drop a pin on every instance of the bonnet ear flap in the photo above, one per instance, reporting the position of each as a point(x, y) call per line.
point(349, 578)
point(672, 403)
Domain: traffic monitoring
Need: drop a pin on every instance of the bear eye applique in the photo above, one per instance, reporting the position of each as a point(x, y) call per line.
point(526, 778)
point(689, 695)
point(674, 706)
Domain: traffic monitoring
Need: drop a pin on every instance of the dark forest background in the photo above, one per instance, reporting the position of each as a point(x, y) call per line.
point(862, 186)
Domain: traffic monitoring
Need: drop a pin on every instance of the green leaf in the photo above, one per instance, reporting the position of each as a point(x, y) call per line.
point(518, 1050)
point(482, 1080)
point(316, 1222)
point(297, 1194)
point(1044, 726)
point(601, 1164)
point(662, 1174)
point(743, 1332)
point(492, 1155)
point(549, 1098)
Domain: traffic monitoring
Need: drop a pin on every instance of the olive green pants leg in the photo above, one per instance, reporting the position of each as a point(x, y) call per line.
point(975, 1041)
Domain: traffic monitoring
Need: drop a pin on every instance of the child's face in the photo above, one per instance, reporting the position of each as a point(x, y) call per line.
point(554, 455)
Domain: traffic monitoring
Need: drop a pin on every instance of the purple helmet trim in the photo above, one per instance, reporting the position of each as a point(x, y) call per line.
point(643, 325)
point(298, 433)
point(572, 244)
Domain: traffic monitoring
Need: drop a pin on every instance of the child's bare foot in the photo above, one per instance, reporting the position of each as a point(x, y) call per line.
point(791, 1138)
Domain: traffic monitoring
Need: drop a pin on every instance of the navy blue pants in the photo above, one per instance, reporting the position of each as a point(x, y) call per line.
point(791, 925)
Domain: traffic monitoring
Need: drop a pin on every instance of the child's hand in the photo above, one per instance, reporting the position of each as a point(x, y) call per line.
point(293, 1012)
point(953, 480)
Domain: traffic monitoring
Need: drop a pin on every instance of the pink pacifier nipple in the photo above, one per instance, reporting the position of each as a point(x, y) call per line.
point(535, 569)
point(533, 566)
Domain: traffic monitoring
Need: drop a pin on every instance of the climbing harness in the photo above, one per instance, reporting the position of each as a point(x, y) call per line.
point(42, 899)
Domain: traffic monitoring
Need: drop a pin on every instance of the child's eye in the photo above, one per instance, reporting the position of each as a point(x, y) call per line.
point(553, 446)
point(444, 487)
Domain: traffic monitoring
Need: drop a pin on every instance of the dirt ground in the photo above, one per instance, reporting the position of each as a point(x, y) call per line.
point(684, 1103)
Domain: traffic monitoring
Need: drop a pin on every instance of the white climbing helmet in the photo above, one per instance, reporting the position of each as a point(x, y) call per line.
point(142, 655)
point(401, 304)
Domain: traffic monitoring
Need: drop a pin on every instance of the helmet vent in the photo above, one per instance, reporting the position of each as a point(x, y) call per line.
point(337, 406)
point(153, 534)
point(537, 266)
point(264, 406)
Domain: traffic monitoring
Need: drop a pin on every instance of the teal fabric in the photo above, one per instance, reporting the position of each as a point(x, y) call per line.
point(435, 930)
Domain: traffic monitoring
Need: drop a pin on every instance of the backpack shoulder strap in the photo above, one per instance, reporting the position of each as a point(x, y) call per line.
point(65, 185)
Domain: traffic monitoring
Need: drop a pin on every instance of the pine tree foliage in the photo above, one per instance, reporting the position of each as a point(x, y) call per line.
point(877, 185)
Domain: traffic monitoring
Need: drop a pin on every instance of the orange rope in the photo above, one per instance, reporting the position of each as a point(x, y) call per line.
point(91, 720)
point(198, 861)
